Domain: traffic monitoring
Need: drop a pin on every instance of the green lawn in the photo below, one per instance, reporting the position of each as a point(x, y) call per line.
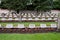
point(37, 36)
point(27, 23)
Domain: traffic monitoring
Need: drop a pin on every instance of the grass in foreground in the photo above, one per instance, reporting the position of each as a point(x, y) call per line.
point(38, 36)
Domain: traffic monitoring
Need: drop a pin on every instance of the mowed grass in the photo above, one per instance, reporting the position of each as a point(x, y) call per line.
point(27, 23)
point(37, 36)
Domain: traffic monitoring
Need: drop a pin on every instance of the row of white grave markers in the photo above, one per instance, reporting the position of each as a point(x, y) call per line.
point(31, 15)
point(29, 19)
point(30, 26)
point(10, 19)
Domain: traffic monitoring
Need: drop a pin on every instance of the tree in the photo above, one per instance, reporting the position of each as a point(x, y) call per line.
point(56, 4)
point(43, 6)
point(14, 4)
point(17, 5)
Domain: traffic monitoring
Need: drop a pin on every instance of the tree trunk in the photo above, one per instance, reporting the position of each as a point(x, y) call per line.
point(58, 20)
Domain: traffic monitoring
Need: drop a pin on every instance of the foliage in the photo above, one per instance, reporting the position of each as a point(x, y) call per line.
point(56, 4)
point(41, 5)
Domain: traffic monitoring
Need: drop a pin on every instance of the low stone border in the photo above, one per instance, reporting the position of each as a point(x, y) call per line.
point(26, 30)
point(29, 21)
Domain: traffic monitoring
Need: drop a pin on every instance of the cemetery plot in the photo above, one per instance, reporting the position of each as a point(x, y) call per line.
point(28, 17)
point(28, 24)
